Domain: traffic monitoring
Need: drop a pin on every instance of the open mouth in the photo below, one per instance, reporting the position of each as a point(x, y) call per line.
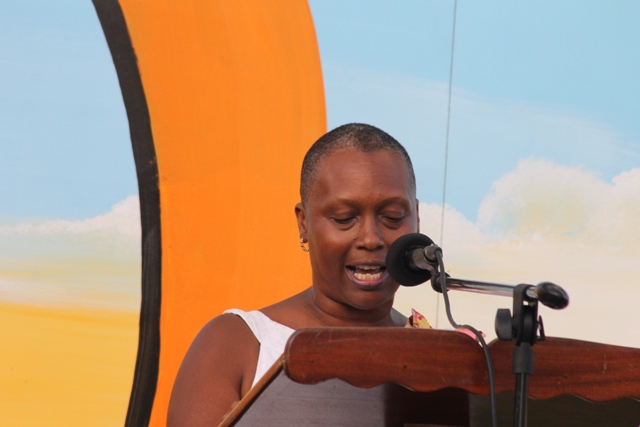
point(367, 273)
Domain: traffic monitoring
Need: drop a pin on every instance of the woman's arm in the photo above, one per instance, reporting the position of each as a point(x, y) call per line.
point(217, 371)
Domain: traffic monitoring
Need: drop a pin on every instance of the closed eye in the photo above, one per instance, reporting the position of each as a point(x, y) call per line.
point(393, 219)
point(344, 221)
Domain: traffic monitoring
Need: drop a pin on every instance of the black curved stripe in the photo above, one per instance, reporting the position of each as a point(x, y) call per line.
point(126, 64)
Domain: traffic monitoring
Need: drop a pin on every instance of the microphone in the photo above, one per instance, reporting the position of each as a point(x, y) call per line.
point(412, 259)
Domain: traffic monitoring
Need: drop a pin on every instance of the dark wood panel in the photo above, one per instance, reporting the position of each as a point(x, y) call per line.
point(561, 411)
point(598, 372)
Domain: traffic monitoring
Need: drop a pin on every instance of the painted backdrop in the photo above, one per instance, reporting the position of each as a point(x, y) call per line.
point(542, 161)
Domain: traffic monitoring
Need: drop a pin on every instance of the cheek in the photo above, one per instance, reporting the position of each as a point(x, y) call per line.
point(331, 246)
point(325, 236)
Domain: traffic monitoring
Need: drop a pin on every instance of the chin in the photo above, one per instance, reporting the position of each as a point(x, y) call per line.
point(372, 301)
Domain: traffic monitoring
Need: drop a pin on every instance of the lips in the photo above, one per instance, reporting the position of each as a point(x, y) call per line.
point(367, 275)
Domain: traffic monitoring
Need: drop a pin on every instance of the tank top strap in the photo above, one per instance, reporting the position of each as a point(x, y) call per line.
point(271, 335)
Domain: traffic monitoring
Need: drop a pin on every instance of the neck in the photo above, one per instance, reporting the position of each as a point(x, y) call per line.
point(335, 314)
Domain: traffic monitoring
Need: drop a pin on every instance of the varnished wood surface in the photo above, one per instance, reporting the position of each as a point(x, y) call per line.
point(593, 371)
point(423, 360)
point(363, 376)
point(429, 360)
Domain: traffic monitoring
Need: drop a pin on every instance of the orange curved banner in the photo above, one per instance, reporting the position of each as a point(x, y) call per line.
point(235, 98)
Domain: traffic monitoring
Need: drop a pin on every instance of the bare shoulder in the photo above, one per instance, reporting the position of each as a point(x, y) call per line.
point(217, 370)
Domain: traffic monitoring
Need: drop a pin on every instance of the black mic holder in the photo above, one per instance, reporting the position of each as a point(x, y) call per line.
point(524, 327)
point(549, 294)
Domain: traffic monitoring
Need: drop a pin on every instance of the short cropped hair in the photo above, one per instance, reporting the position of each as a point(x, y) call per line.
point(364, 138)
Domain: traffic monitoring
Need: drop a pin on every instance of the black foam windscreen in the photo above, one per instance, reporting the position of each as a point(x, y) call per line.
point(400, 263)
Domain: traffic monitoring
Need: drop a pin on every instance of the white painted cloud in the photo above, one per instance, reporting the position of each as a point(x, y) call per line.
point(543, 200)
point(544, 221)
point(123, 221)
point(93, 262)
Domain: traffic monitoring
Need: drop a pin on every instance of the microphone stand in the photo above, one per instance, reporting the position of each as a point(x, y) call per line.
point(522, 328)
point(414, 258)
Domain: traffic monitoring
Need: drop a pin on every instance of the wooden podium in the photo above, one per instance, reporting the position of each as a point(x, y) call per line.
point(412, 377)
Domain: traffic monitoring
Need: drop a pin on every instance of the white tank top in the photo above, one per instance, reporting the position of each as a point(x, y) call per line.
point(271, 335)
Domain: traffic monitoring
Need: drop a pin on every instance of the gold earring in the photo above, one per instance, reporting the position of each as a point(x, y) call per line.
point(302, 242)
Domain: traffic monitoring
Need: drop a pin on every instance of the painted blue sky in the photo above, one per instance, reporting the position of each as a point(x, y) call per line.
point(64, 138)
point(546, 79)
point(554, 80)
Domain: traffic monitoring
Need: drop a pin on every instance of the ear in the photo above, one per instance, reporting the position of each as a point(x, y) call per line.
point(301, 217)
point(418, 214)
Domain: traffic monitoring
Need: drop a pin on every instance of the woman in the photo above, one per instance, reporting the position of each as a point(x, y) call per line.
point(358, 194)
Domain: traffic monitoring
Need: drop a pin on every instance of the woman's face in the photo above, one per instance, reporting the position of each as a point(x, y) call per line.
point(357, 206)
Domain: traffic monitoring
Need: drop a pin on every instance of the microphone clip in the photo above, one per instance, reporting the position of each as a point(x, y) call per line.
point(522, 327)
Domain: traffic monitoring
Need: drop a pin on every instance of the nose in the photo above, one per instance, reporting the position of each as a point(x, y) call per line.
point(370, 235)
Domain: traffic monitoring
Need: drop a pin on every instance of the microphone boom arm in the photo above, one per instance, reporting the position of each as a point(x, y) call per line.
point(549, 294)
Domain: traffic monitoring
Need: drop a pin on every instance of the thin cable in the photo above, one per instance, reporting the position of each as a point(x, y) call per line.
point(485, 348)
point(446, 145)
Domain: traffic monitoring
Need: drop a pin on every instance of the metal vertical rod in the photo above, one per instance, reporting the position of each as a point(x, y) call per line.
point(446, 145)
point(520, 408)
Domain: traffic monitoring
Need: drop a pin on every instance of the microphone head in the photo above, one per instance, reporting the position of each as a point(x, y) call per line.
point(400, 264)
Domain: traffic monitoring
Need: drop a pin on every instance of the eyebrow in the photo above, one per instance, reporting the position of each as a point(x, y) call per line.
point(385, 202)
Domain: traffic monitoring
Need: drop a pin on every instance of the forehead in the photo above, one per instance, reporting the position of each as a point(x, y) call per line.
point(352, 174)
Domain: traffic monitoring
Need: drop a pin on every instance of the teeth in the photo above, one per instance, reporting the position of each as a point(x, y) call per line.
point(367, 276)
point(368, 273)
